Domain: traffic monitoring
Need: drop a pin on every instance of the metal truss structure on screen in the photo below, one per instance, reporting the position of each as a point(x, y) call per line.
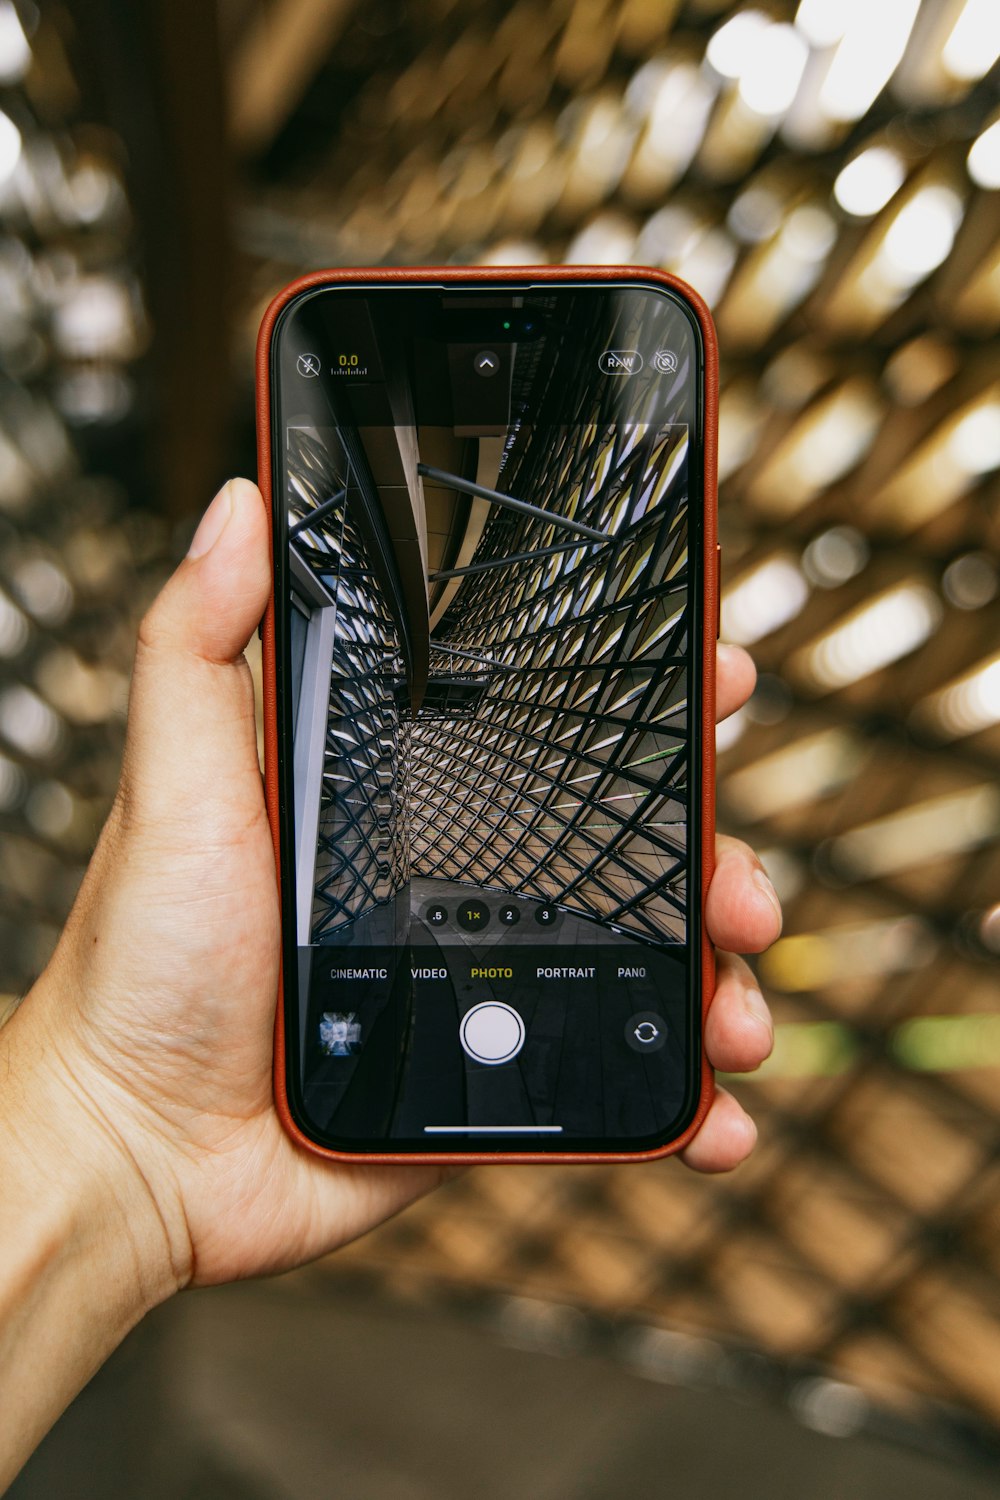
point(362, 848)
point(549, 758)
point(568, 780)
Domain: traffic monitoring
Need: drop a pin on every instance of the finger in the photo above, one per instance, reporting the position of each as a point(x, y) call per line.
point(739, 1032)
point(735, 679)
point(191, 726)
point(726, 1137)
point(213, 603)
point(742, 913)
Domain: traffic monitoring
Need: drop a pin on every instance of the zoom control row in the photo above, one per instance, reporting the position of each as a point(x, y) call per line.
point(473, 915)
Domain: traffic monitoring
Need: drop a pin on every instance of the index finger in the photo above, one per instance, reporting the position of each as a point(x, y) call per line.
point(735, 679)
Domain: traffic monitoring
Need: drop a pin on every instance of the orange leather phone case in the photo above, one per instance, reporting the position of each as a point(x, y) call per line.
point(491, 276)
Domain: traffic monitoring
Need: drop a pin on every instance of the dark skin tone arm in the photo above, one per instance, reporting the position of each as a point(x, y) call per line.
point(139, 1148)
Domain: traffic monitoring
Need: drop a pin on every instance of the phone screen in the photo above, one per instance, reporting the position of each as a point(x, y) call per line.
point(488, 574)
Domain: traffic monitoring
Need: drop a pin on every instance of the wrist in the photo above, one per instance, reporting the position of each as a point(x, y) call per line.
point(81, 1255)
point(71, 1175)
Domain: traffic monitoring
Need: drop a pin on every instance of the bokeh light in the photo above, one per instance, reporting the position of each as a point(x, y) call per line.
point(825, 173)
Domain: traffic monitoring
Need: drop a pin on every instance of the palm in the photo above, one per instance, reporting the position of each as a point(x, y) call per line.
point(191, 1026)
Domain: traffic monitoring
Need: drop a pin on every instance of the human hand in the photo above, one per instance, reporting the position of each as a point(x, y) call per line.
point(743, 915)
point(153, 1022)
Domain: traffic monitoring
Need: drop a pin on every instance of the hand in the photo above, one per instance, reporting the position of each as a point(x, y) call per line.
point(743, 915)
point(155, 1015)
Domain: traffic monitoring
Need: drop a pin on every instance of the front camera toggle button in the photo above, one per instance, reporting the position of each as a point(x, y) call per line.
point(646, 1031)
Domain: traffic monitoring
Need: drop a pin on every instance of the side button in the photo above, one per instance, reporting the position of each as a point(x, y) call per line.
point(718, 590)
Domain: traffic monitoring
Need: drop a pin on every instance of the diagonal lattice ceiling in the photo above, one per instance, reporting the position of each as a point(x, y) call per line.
point(841, 218)
point(827, 176)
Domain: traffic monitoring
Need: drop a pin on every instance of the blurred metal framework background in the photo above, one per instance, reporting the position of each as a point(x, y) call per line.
point(826, 174)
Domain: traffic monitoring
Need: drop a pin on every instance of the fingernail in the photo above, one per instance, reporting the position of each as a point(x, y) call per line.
point(213, 523)
point(765, 887)
point(757, 1007)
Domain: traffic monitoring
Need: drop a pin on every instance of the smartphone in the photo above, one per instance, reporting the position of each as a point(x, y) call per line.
point(489, 686)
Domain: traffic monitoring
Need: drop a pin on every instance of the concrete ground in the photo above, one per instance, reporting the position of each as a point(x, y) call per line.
point(308, 1390)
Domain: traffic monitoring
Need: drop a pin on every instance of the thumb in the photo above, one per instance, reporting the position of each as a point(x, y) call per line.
point(212, 604)
point(191, 714)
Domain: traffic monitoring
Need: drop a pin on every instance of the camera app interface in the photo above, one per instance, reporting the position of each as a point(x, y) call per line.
point(484, 681)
